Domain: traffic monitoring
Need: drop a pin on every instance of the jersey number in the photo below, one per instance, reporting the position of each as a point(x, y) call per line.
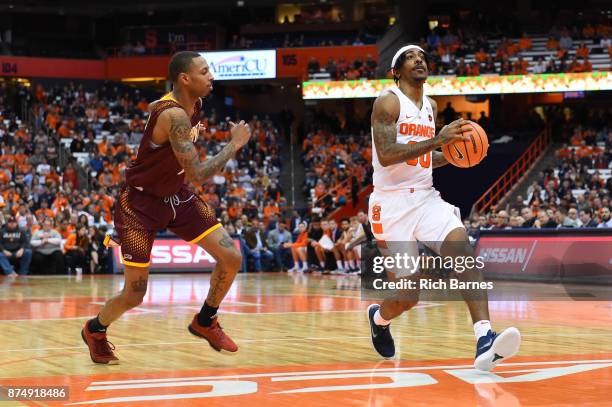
point(424, 160)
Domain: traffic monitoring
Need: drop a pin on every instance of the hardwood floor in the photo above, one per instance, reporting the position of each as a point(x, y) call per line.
point(304, 340)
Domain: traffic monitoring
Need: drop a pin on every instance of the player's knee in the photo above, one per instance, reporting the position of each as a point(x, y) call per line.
point(232, 260)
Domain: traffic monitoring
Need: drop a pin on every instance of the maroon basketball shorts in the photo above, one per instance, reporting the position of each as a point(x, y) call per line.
point(139, 216)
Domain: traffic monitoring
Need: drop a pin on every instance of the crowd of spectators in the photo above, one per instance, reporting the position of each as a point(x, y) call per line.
point(447, 50)
point(343, 69)
point(574, 193)
point(303, 244)
point(60, 172)
point(337, 166)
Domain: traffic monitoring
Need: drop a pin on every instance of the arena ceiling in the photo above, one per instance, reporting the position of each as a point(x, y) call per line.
point(98, 8)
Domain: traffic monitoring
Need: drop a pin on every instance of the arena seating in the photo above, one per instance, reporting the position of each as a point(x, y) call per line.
point(573, 193)
point(68, 162)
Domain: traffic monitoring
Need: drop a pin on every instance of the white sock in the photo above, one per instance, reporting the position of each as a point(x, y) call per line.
point(352, 264)
point(380, 321)
point(322, 264)
point(346, 265)
point(481, 328)
point(304, 264)
point(339, 265)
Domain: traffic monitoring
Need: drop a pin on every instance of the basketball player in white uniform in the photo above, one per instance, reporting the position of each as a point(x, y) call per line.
point(405, 207)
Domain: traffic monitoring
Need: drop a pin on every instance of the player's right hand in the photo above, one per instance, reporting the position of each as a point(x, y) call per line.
point(241, 133)
point(452, 132)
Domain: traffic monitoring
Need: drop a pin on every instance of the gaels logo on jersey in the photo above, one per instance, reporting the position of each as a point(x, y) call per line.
point(411, 129)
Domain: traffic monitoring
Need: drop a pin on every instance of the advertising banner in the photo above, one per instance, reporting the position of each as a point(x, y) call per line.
point(174, 255)
point(243, 64)
point(564, 259)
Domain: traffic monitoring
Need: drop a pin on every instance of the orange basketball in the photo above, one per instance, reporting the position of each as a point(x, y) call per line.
point(468, 153)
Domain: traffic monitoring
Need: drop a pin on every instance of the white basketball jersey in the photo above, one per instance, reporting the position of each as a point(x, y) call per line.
point(413, 125)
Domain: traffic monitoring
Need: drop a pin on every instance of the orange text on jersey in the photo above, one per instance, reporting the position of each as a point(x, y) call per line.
point(412, 129)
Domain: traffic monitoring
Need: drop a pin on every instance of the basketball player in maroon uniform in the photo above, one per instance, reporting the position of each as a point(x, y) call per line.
point(155, 197)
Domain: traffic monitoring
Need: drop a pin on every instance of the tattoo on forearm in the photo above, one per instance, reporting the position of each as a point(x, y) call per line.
point(438, 159)
point(187, 155)
point(140, 286)
point(388, 149)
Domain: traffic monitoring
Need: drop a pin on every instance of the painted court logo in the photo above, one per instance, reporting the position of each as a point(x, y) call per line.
point(274, 388)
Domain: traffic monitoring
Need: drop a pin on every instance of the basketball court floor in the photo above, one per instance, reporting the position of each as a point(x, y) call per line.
point(304, 341)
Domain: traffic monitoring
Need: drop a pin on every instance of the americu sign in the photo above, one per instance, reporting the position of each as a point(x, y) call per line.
point(235, 65)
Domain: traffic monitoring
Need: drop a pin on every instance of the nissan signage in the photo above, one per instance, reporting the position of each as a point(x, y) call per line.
point(175, 255)
point(551, 258)
point(237, 65)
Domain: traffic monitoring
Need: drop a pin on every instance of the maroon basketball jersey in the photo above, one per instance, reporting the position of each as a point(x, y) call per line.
point(156, 170)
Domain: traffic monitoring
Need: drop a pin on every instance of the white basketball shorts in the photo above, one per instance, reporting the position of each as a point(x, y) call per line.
point(405, 216)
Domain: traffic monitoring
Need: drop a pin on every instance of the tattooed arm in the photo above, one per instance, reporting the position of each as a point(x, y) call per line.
point(179, 134)
point(384, 117)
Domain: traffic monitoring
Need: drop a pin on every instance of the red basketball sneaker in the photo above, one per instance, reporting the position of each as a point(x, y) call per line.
point(214, 334)
point(99, 347)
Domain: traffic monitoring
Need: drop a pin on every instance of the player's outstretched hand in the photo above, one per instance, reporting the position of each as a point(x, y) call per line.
point(241, 133)
point(452, 132)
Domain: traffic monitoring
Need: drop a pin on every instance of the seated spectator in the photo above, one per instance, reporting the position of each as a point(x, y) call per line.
point(257, 246)
point(586, 219)
point(572, 221)
point(47, 256)
point(14, 249)
point(298, 250)
point(525, 42)
point(583, 51)
point(544, 221)
point(276, 243)
point(78, 250)
point(606, 222)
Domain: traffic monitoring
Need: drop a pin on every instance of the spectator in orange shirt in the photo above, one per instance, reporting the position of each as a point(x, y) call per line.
point(552, 43)
point(474, 69)
point(481, 56)
point(64, 131)
point(520, 66)
point(102, 111)
point(52, 120)
point(563, 152)
point(44, 211)
point(270, 209)
point(574, 66)
point(137, 124)
point(52, 177)
point(143, 105)
point(583, 51)
point(586, 65)
point(298, 249)
point(77, 249)
point(525, 42)
point(584, 150)
point(561, 53)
